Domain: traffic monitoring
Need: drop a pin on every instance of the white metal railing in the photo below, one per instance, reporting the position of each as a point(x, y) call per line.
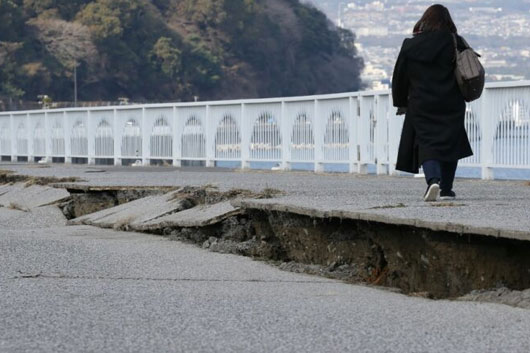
point(357, 129)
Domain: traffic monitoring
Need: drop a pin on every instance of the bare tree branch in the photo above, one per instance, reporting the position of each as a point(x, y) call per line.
point(6, 49)
point(69, 42)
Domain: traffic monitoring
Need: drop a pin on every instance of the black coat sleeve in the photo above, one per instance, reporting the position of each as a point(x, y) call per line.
point(400, 82)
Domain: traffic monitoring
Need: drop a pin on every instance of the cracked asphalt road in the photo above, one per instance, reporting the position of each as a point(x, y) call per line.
point(493, 208)
point(84, 289)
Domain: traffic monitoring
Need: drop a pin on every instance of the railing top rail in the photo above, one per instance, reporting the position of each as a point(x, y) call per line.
point(203, 103)
point(508, 84)
point(321, 97)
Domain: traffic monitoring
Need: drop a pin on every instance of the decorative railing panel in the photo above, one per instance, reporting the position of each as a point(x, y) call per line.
point(103, 124)
point(226, 121)
point(128, 124)
point(160, 130)
point(300, 120)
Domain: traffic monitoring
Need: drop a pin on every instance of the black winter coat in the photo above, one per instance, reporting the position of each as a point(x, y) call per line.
point(424, 83)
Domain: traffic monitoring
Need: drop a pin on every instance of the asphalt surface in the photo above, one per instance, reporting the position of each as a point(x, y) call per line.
point(496, 208)
point(84, 289)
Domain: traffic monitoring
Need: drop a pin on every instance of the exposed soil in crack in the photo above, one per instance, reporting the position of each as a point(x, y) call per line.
point(416, 261)
point(208, 194)
point(86, 200)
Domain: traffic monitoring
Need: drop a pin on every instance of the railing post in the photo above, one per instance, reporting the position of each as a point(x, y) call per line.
point(380, 135)
point(91, 140)
point(177, 138)
point(377, 137)
point(67, 140)
point(146, 146)
point(13, 138)
point(210, 140)
point(117, 138)
point(352, 148)
point(394, 134)
point(285, 126)
point(30, 135)
point(245, 138)
point(363, 134)
point(319, 139)
point(487, 132)
point(48, 139)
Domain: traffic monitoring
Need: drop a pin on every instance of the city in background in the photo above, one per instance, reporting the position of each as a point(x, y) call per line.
point(498, 29)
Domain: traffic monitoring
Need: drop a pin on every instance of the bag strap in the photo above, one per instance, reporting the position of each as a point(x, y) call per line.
point(456, 47)
point(466, 44)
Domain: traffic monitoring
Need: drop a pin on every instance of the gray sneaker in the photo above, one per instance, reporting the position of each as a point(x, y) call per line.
point(432, 191)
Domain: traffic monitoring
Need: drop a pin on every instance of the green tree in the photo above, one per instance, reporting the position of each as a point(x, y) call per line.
point(102, 19)
point(162, 5)
point(203, 12)
point(11, 24)
point(240, 14)
point(317, 36)
point(36, 7)
point(11, 20)
point(65, 9)
point(166, 57)
point(108, 19)
point(9, 81)
point(202, 66)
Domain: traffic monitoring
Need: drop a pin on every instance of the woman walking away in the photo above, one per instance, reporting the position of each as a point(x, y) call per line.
point(424, 86)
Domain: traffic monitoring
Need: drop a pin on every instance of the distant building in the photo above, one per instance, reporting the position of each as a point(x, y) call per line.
point(372, 31)
point(489, 10)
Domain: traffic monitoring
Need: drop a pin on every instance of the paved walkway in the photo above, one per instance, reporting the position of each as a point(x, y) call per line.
point(86, 289)
point(493, 208)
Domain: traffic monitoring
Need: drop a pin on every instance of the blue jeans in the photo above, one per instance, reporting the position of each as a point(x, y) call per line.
point(443, 171)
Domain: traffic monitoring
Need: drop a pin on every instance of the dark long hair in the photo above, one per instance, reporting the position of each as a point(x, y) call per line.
point(435, 18)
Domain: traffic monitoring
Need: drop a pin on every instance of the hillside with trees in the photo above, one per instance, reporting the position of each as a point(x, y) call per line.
point(171, 50)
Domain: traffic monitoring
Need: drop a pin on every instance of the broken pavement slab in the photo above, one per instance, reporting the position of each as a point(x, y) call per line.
point(407, 216)
point(37, 218)
point(20, 196)
point(198, 216)
point(135, 212)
